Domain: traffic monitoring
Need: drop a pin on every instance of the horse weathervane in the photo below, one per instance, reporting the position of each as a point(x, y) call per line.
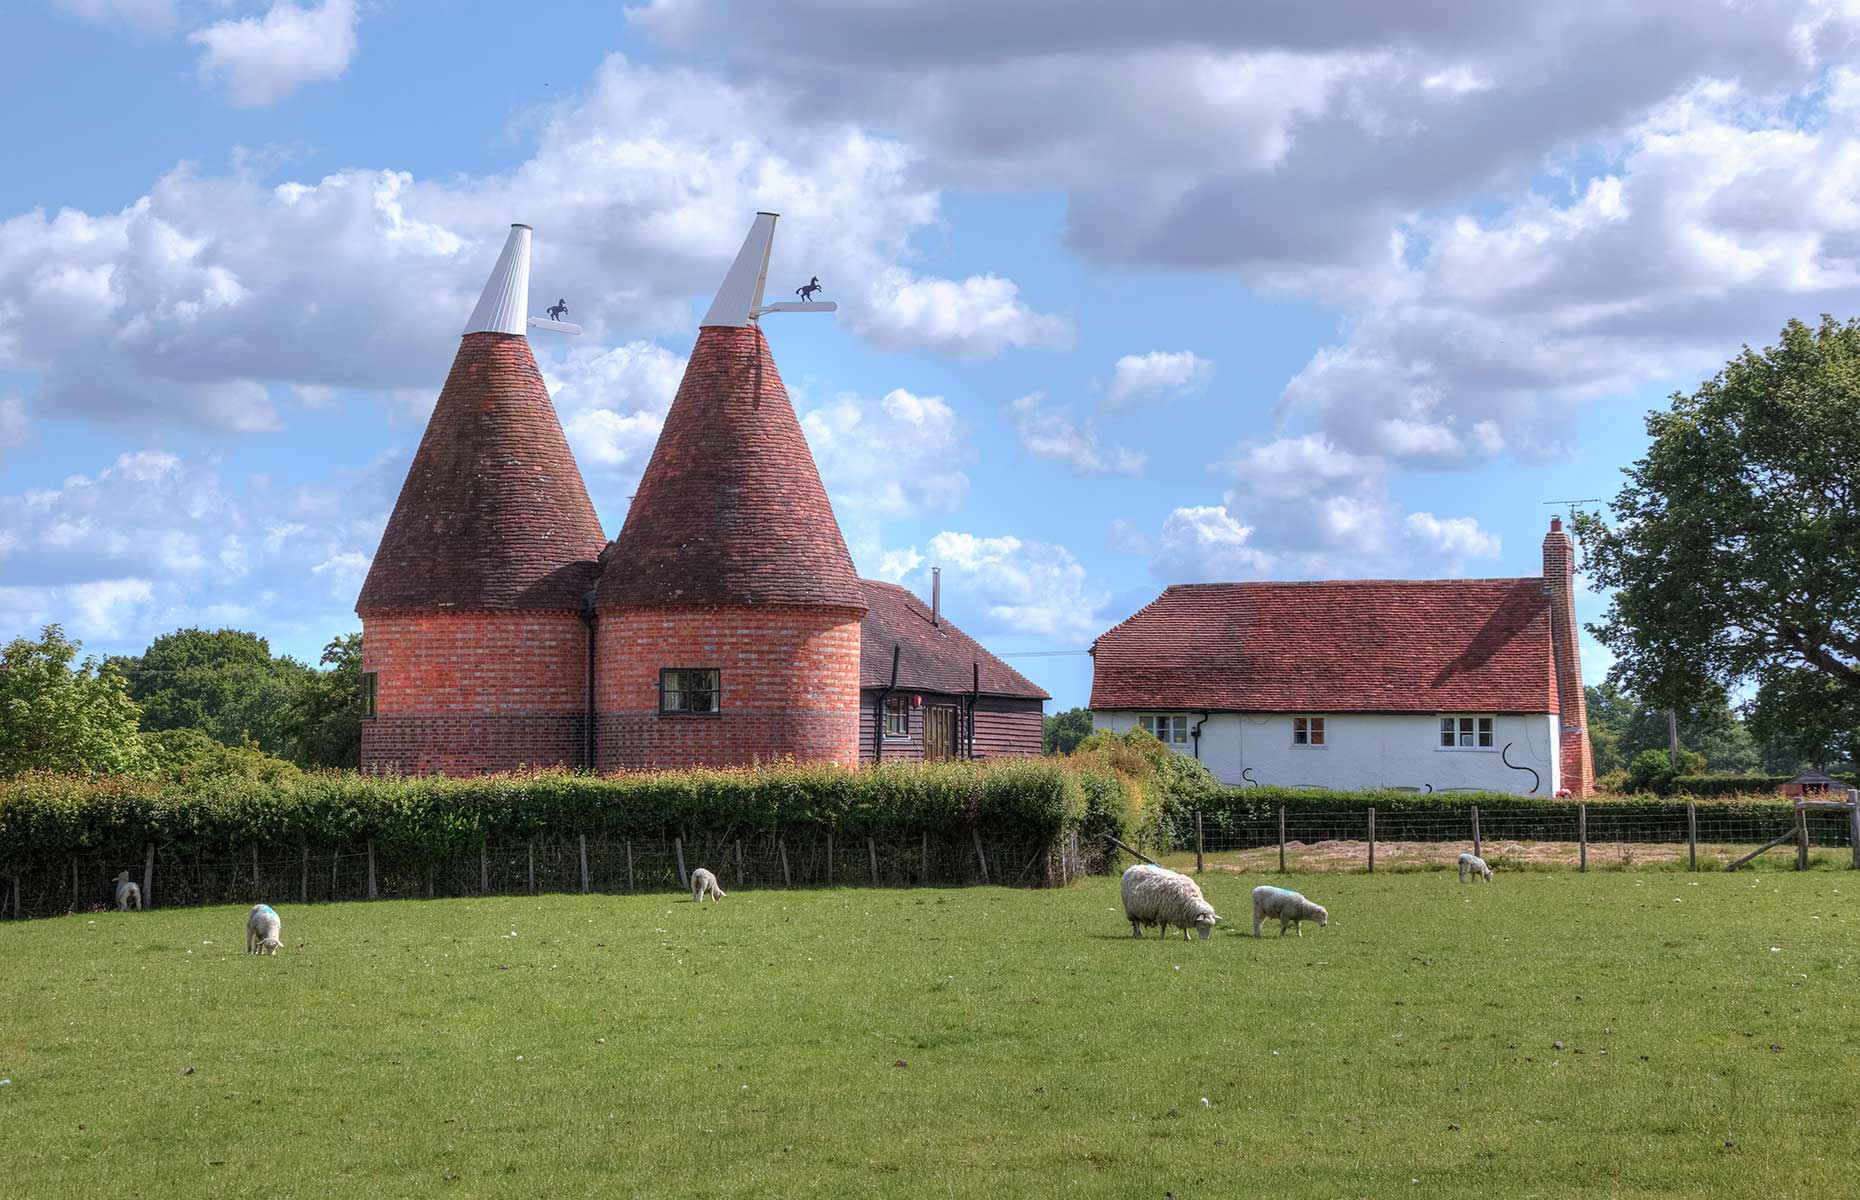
point(739, 300)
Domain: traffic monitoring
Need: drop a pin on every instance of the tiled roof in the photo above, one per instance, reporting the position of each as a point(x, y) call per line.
point(1346, 646)
point(931, 658)
point(730, 510)
point(493, 514)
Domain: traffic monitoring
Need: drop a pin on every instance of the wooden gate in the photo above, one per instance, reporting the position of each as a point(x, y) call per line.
point(939, 733)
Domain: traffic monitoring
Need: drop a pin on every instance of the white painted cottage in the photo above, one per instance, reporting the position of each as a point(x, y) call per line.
point(1424, 685)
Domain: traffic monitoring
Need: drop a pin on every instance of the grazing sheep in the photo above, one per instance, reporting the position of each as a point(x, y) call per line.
point(1472, 864)
point(125, 892)
point(1158, 896)
point(703, 884)
point(261, 930)
point(1290, 907)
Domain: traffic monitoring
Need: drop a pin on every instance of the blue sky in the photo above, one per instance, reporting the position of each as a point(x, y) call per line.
point(1123, 301)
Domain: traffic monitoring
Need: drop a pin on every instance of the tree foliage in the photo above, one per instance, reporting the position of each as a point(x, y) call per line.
point(1711, 737)
point(1734, 550)
point(1804, 718)
point(1065, 730)
point(223, 682)
point(324, 721)
point(57, 717)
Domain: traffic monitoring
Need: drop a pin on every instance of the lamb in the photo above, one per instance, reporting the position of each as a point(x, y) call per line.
point(1290, 907)
point(1472, 864)
point(125, 892)
point(703, 884)
point(261, 930)
point(1158, 896)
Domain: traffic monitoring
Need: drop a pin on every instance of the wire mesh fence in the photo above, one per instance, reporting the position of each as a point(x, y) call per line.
point(602, 863)
point(1576, 836)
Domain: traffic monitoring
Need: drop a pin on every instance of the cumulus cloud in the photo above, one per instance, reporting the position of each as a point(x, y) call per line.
point(902, 455)
point(258, 61)
point(14, 425)
point(1049, 432)
point(153, 541)
point(1004, 585)
point(1160, 372)
point(612, 404)
point(213, 300)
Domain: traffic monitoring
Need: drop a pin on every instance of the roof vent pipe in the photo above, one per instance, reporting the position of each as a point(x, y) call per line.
point(936, 596)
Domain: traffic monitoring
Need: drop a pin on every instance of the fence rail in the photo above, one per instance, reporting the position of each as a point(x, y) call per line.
point(1576, 835)
point(509, 867)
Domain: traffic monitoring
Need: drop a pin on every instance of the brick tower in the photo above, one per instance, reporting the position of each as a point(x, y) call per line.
point(473, 612)
point(1577, 764)
point(728, 608)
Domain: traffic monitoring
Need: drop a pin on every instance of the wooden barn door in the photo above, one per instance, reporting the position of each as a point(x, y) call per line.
point(939, 733)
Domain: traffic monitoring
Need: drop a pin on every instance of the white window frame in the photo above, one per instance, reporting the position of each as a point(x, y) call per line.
point(903, 708)
point(1310, 732)
point(1482, 728)
point(1174, 725)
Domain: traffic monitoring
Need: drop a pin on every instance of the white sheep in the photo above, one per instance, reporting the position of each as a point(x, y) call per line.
point(1472, 864)
point(703, 884)
point(125, 892)
point(1158, 896)
point(1290, 907)
point(261, 930)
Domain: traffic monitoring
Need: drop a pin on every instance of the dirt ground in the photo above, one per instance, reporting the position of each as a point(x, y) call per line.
point(1349, 855)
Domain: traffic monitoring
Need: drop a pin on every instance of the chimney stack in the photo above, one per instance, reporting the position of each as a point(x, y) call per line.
point(1577, 765)
point(936, 596)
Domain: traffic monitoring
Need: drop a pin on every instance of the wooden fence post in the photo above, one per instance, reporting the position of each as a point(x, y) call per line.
point(1801, 837)
point(1281, 839)
point(484, 869)
point(1692, 836)
point(532, 849)
point(371, 869)
point(629, 864)
point(583, 839)
point(1372, 839)
point(678, 848)
point(926, 858)
point(979, 856)
point(335, 863)
point(304, 877)
point(1200, 865)
point(829, 858)
point(74, 884)
point(1853, 799)
point(256, 886)
point(148, 876)
point(739, 862)
point(871, 849)
point(1477, 845)
point(1582, 835)
point(781, 846)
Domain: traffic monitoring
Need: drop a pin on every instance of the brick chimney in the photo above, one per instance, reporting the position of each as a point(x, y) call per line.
point(1577, 765)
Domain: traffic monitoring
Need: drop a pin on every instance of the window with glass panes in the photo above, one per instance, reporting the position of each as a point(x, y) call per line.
point(1465, 733)
point(1307, 731)
point(689, 690)
point(897, 716)
point(1171, 729)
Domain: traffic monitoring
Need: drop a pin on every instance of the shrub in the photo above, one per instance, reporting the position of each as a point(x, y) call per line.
point(1651, 771)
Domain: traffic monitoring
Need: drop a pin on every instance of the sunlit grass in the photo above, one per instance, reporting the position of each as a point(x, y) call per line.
point(951, 1042)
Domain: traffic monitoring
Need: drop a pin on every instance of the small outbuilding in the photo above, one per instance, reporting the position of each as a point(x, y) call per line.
point(1813, 785)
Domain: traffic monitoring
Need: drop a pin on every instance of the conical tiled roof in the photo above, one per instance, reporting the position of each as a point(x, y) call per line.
point(731, 509)
point(494, 514)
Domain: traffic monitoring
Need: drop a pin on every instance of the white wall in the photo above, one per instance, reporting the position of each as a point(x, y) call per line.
point(1368, 750)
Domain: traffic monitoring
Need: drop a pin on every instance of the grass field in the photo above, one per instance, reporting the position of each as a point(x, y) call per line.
point(951, 1043)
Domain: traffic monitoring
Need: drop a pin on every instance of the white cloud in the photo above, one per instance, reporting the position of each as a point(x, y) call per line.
point(153, 541)
point(15, 428)
point(1160, 372)
point(612, 404)
point(261, 60)
point(977, 317)
point(1004, 585)
point(1205, 544)
point(1451, 538)
point(899, 456)
point(1052, 433)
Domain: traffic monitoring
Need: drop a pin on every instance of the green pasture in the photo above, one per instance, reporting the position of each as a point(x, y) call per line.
point(1552, 1034)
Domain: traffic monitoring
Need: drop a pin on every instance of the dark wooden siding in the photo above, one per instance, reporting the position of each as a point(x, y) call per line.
point(1004, 726)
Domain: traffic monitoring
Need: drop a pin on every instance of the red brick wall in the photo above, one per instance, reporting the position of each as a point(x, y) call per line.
point(464, 693)
point(1578, 766)
point(789, 680)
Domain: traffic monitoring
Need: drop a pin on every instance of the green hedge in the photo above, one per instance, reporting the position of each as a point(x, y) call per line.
point(436, 817)
point(1703, 786)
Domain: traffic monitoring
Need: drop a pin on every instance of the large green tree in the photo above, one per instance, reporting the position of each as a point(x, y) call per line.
point(1803, 718)
point(1621, 728)
point(223, 682)
point(325, 716)
point(1734, 548)
point(1065, 730)
point(58, 717)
